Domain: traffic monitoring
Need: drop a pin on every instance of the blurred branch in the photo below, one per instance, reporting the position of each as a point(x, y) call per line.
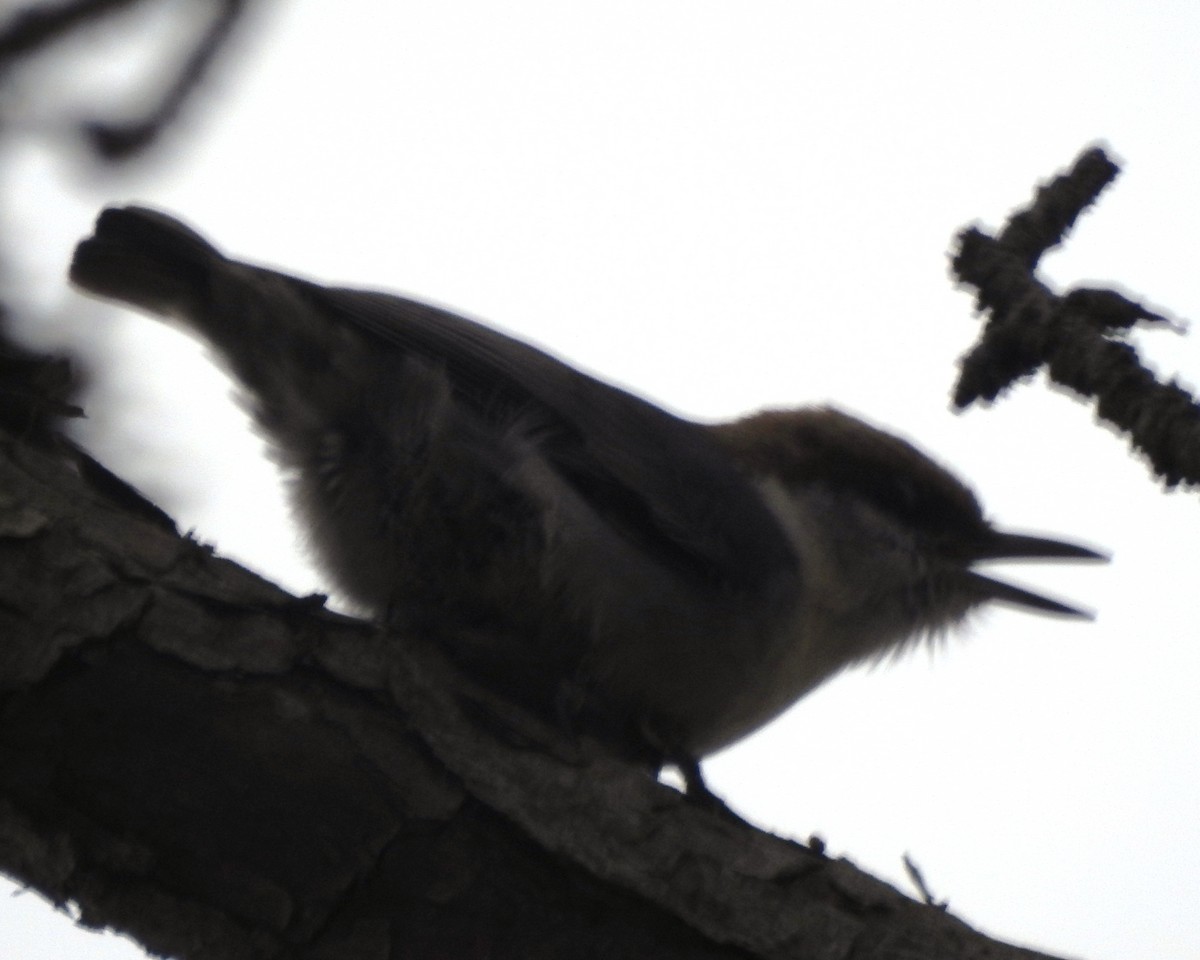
point(1077, 336)
point(35, 28)
point(115, 142)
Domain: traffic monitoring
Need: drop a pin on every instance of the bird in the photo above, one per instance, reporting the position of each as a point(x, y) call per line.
point(667, 585)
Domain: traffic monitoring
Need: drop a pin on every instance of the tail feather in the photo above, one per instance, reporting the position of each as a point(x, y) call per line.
point(145, 258)
point(259, 323)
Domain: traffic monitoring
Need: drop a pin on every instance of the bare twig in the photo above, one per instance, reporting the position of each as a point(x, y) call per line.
point(1076, 336)
point(918, 881)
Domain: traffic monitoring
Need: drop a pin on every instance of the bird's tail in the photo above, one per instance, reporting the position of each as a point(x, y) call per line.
point(145, 258)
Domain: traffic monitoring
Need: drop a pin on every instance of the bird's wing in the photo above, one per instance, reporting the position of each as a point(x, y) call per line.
point(659, 479)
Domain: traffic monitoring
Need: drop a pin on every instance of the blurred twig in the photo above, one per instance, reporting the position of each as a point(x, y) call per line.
point(116, 141)
point(35, 28)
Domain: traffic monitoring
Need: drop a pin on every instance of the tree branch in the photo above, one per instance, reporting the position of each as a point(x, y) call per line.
point(1077, 336)
point(221, 770)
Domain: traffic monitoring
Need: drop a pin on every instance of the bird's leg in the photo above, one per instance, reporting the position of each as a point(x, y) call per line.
point(696, 789)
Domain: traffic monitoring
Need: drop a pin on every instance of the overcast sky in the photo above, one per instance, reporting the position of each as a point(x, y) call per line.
point(723, 207)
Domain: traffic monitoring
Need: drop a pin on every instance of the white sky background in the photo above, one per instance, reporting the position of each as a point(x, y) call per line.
point(723, 207)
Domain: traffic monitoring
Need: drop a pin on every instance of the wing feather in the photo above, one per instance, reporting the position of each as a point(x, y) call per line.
point(658, 478)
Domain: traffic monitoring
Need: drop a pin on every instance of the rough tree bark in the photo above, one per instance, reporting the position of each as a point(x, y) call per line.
point(222, 770)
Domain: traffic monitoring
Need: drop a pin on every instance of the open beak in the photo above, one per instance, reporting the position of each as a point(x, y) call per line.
point(1019, 546)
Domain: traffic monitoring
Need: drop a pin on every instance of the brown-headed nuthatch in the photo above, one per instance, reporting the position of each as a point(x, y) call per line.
point(677, 584)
